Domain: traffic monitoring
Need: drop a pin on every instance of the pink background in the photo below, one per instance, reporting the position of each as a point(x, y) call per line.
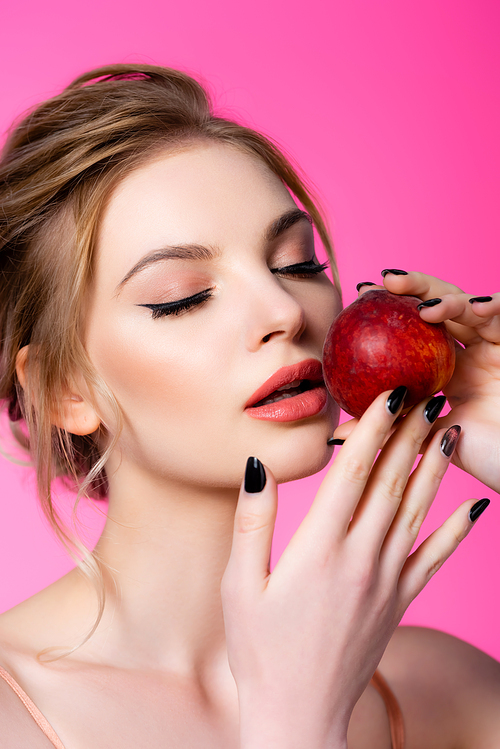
point(393, 110)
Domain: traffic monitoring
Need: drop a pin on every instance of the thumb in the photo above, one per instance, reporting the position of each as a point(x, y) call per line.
point(254, 520)
point(343, 431)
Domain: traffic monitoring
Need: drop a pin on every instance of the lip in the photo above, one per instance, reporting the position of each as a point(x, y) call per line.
point(309, 369)
point(301, 406)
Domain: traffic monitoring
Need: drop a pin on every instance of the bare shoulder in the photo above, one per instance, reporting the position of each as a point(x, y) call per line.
point(449, 691)
point(25, 630)
point(50, 616)
point(18, 728)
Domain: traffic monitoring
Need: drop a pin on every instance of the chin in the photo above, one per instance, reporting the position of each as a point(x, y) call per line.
point(307, 456)
point(300, 469)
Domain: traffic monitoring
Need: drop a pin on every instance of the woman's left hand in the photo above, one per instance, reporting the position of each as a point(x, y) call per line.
point(474, 390)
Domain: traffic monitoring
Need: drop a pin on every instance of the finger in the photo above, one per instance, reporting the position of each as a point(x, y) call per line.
point(418, 284)
point(248, 566)
point(364, 286)
point(469, 322)
point(435, 550)
point(418, 497)
point(426, 287)
point(344, 430)
point(347, 477)
point(429, 287)
point(389, 477)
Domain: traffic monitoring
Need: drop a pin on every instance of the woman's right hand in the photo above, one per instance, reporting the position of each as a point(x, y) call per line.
point(304, 641)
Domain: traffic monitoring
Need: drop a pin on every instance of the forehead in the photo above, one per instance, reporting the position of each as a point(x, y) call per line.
point(209, 194)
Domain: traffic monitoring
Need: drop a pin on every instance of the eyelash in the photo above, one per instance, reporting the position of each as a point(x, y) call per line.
point(299, 270)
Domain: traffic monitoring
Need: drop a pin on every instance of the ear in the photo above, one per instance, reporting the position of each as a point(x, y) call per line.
point(76, 413)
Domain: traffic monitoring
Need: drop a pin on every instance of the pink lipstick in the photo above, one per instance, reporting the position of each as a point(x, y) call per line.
point(294, 392)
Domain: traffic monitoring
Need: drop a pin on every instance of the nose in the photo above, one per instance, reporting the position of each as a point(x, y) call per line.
point(273, 313)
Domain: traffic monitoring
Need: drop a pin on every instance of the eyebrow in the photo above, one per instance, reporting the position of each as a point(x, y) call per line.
point(285, 221)
point(191, 251)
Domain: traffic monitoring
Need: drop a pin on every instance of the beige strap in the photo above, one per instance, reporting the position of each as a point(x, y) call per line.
point(393, 710)
point(35, 713)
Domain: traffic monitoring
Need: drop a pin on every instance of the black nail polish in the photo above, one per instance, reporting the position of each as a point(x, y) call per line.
point(478, 509)
point(481, 299)
point(364, 283)
point(396, 398)
point(394, 271)
point(255, 476)
point(430, 303)
point(450, 439)
point(333, 441)
point(434, 408)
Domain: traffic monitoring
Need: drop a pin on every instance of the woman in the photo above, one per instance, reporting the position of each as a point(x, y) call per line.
point(163, 317)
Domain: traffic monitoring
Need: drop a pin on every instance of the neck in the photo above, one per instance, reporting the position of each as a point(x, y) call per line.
point(167, 546)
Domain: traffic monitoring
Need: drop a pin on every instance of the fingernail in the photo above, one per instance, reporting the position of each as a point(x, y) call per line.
point(394, 271)
point(332, 441)
point(396, 398)
point(364, 283)
point(478, 509)
point(450, 439)
point(430, 303)
point(255, 476)
point(481, 299)
point(434, 408)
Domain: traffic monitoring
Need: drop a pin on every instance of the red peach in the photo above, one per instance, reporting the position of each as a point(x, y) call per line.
point(380, 342)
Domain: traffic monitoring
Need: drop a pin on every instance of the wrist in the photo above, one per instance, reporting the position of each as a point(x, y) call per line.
point(280, 737)
point(290, 729)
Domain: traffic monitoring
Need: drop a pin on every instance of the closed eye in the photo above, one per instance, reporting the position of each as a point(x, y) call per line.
point(178, 307)
point(301, 270)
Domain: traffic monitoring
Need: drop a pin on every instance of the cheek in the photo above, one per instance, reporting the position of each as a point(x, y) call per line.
point(164, 376)
point(177, 397)
point(323, 310)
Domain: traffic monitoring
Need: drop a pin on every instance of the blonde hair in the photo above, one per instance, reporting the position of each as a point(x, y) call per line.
point(58, 168)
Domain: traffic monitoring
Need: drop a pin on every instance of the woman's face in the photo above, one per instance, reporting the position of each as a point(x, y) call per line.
point(183, 380)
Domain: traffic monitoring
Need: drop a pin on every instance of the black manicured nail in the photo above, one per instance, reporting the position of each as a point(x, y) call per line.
point(450, 439)
point(364, 283)
point(333, 441)
point(478, 509)
point(396, 398)
point(430, 303)
point(394, 271)
point(255, 476)
point(434, 408)
point(481, 299)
